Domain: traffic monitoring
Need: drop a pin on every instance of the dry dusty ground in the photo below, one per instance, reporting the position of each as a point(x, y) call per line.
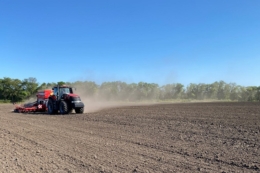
point(191, 137)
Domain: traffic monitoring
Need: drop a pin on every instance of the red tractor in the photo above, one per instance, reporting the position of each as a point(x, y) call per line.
point(63, 100)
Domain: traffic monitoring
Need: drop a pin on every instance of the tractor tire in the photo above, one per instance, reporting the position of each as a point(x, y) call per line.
point(79, 110)
point(50, 107)
point(63, 107)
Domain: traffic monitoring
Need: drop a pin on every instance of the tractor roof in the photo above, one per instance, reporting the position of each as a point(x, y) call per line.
point(62, 86)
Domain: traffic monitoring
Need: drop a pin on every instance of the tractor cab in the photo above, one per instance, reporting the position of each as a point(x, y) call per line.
point(59, 91)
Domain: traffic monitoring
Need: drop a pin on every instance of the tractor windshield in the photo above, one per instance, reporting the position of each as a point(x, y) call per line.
point(64, 90)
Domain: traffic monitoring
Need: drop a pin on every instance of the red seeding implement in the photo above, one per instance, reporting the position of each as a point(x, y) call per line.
point(58, 100)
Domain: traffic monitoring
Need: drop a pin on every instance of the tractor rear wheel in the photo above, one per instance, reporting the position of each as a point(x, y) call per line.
point(63, 107)
point(79, 110)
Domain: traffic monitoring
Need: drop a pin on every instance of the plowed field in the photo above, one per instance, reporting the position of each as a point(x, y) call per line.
point(190, 137)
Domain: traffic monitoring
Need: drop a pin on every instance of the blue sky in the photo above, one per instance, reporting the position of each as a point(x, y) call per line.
point(169, 41)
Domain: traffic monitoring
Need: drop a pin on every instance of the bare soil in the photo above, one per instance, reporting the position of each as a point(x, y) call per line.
point(187, 137)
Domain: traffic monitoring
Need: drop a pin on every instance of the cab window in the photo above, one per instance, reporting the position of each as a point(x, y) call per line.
point(55, 91)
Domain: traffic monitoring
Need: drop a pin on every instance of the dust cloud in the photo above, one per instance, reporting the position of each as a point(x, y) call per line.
point(93, 105)
point(96, 103)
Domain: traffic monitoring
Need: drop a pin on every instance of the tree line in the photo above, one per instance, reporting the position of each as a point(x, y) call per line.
point(16, 90)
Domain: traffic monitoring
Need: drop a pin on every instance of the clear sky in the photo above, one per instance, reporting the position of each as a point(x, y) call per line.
point(168, 41)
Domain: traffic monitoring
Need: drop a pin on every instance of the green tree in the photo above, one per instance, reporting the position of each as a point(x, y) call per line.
point(172, 91)
point(192, 91)
point(6, 87)
point(60, 83)
point(257, 95)
point(31, 86)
